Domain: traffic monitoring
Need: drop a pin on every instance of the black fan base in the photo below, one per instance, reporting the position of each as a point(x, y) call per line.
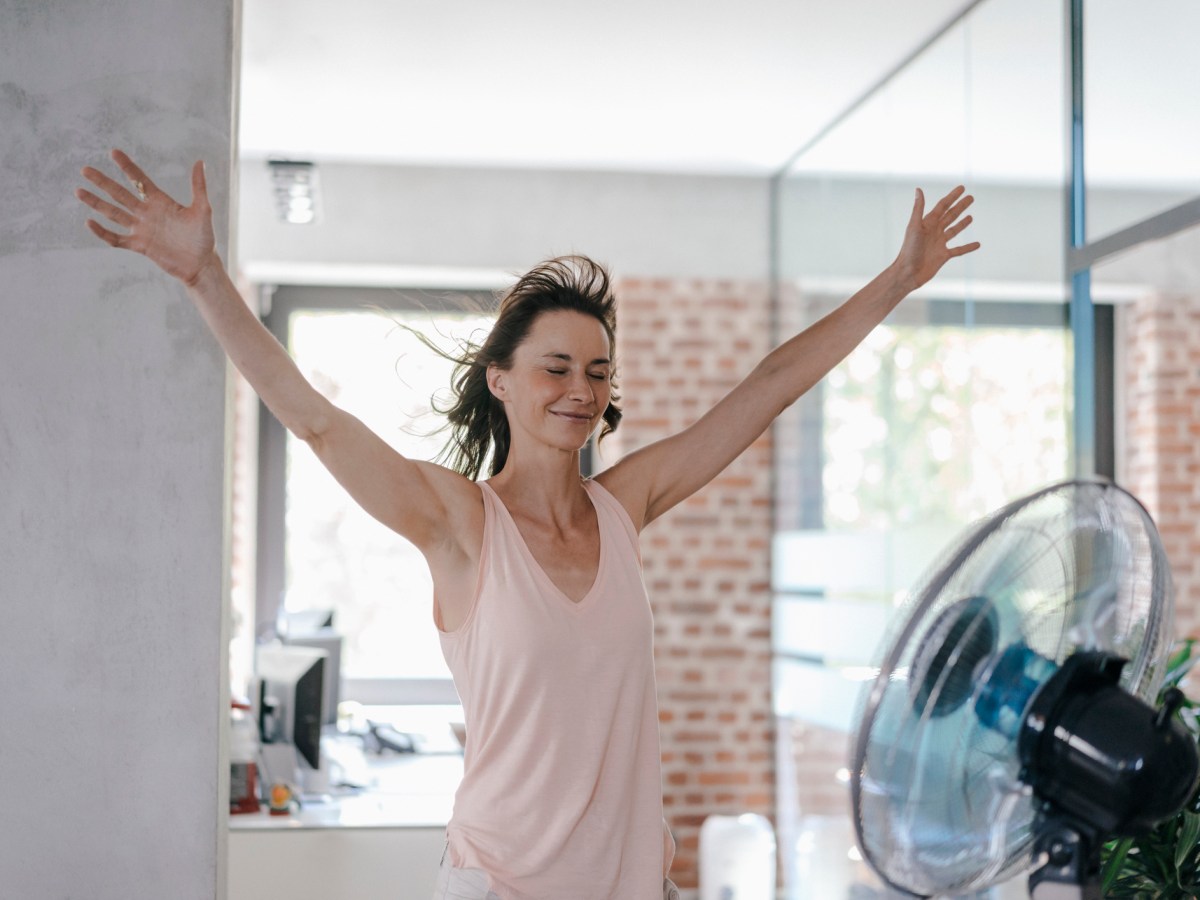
point(1071, 867)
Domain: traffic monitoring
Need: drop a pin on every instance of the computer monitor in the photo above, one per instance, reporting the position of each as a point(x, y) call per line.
point(330, 641)
point(291, 697)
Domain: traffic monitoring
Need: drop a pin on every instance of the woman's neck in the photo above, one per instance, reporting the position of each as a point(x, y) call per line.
point(553, 484)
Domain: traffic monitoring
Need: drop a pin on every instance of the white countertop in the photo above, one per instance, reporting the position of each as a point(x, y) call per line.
point(406, 791)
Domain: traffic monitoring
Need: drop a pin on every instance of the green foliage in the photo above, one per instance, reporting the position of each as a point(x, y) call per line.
point(1165, 864)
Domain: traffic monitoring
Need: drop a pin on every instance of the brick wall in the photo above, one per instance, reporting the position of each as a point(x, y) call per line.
point(682, 345)
point(1158, 357)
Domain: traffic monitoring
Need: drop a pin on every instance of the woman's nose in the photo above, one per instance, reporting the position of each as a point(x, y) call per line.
point(581, 388)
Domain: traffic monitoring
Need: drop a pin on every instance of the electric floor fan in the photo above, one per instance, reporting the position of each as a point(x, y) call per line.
point(1010, 725)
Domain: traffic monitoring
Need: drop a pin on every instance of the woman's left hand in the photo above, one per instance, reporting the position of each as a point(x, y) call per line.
point(926, 246)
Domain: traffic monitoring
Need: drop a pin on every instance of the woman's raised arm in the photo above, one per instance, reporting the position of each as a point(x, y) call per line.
point(410, 497)
point(652, 480)
point(179, 239)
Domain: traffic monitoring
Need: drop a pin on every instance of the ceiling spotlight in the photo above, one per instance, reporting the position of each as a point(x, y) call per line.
point(296, 188)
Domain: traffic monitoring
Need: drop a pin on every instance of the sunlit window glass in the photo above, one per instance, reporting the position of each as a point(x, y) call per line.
point(374, 365)
point(943, 423)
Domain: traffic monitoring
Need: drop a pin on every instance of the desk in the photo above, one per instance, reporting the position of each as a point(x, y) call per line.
point(384, 843)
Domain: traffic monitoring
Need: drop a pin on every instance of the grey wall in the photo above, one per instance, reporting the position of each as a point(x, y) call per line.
point(652, 224)
point(644, 224)
point(112, 447)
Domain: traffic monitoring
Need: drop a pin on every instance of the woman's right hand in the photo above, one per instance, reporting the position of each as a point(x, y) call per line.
point(179, 239)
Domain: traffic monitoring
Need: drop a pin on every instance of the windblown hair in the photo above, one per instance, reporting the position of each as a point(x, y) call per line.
point(476, 418)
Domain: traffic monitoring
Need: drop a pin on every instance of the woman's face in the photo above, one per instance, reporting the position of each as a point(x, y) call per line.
point(559, 384)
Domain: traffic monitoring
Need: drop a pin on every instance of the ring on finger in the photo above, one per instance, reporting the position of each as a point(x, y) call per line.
point(141, 190)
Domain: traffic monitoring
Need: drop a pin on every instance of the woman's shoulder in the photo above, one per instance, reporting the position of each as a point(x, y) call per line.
point(626, 494)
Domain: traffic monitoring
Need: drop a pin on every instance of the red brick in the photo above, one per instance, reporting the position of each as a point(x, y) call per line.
point(707, 562)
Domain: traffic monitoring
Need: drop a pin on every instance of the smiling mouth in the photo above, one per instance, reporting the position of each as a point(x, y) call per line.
point(578, 418)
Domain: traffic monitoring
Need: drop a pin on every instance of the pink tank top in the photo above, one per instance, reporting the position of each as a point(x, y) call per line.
point(561, 794)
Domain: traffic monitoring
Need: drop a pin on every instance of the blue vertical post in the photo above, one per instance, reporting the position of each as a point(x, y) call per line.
point(1083, 329)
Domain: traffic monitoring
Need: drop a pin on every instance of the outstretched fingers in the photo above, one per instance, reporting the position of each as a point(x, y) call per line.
point(942, 208)
point(954, 230)
point(111, 211)
point(178, 239)
point(954, 225)
point(133, 172)
point(199, 184)
point(918, 210)
point(957, 209)
point(926, 246)
point(113, 188)
point(109, 237)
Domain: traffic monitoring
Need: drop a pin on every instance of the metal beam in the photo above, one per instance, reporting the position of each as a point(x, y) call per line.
point(1083, 330)
point(1165, 224)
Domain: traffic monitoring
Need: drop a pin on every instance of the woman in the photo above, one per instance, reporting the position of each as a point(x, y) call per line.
point(538, 596)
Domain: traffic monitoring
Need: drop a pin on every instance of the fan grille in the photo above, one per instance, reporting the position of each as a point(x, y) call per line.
point(938, 803)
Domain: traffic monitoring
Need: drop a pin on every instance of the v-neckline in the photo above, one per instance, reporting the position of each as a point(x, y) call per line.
point(537, 566)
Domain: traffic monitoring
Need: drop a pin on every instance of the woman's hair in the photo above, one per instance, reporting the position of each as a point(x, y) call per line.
point(476, 418)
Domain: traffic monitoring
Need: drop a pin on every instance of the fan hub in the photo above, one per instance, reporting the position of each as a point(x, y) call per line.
point(1009, 688)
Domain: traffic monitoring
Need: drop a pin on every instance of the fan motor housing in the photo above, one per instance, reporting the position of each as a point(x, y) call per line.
point(1101, 756)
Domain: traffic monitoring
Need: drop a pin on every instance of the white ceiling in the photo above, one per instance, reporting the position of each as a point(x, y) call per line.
point(696, 86)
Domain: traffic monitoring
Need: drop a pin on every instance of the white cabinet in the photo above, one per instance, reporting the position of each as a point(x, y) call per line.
point(383, 844)
point(334, 863)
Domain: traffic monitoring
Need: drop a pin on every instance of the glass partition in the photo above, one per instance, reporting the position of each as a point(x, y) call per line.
point(959, 402)
point(983, 105)
point(1141, 110)
point(1155, 289)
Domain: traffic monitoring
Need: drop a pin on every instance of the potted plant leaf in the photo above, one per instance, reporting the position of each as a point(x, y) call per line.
point(1164, 864)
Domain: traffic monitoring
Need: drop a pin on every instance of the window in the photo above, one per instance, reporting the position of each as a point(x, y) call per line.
point(947, 419)
point(317, 548)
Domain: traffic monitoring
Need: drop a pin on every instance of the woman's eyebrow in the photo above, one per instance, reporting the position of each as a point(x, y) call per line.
point(566, 357)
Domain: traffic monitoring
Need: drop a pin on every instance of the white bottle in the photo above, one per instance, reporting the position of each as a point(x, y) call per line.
point(737, 858)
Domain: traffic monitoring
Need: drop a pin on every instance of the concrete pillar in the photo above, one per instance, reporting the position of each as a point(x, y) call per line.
point(112, 462)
